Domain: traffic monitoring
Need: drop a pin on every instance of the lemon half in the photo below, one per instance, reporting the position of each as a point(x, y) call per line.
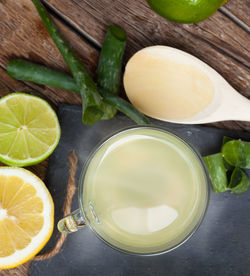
point(26, 216)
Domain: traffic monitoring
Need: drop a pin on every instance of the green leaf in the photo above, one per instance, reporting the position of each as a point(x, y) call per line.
point(228, 167)
point(226, 139)
point(109, 69)
point(237, 153)
point(217, 172)
point(125, 107)
point(91, 99)
point(239, 182)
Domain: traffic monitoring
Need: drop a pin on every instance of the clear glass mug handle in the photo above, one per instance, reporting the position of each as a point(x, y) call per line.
point(71, 223)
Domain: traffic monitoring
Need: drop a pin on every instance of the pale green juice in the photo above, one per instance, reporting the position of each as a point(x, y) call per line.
point(144, 190)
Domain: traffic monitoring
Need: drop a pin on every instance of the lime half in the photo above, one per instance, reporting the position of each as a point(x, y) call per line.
point(29, 130)
point(186, 11)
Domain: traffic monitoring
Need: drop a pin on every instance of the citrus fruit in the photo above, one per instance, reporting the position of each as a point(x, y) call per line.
point(26, 216)
point(186, 11)
point(29, 129)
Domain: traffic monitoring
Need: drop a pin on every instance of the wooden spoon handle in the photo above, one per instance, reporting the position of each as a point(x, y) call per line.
point(236, 107)
point(230, 106)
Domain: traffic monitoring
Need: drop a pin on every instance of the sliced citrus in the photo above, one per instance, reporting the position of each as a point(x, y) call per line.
point(26, 216)
point(186, 11)
point(29, 129)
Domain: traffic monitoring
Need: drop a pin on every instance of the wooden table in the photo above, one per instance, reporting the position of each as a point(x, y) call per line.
point(221, 41)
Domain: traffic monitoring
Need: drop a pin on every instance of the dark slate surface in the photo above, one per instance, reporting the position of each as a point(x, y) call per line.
point(221, 246)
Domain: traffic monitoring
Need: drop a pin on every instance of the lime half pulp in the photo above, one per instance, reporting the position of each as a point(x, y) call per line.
point(29, 130)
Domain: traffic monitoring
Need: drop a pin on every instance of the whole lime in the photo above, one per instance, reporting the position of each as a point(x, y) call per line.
point(186, 11)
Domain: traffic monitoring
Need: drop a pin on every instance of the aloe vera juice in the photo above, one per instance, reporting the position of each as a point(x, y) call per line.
point(144, 190)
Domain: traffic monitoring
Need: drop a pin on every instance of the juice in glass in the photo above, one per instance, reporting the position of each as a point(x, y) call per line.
point(144, 190)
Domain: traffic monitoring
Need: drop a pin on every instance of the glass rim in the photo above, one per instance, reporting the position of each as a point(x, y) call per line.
point(105, 140)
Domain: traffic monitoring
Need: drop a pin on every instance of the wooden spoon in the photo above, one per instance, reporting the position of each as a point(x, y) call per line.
point(143, 70)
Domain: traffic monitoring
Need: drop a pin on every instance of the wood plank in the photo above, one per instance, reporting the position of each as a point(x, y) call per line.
point(240, 9)
point(23, 35)
point(217, 41)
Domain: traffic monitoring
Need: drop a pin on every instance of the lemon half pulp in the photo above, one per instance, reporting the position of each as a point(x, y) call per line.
point(26, 216)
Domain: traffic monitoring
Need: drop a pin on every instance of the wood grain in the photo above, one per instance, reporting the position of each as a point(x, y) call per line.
point(217, 41)
point(240, 9)
point(23, 35)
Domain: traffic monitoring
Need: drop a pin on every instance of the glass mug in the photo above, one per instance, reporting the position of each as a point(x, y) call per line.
point(143, 191)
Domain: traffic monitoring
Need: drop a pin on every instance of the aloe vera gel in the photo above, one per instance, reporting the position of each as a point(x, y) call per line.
point(144, 190)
